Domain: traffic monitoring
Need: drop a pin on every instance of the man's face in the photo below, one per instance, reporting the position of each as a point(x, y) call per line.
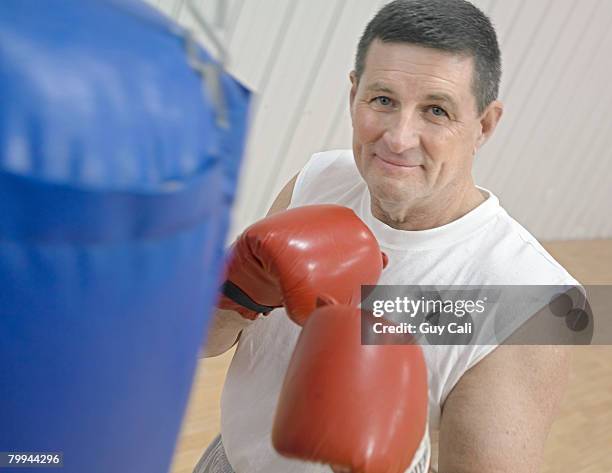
point(415, 124)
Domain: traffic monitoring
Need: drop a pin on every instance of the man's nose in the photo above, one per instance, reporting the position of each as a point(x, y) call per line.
point(402, 132)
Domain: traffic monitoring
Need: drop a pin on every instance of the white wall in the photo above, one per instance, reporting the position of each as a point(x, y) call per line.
point(550, 160)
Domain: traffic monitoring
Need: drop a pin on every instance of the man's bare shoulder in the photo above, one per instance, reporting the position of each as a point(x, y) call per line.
point(283, 199)
point(499, 414)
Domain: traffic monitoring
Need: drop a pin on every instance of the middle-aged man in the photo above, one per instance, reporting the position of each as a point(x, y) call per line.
point(423, 100)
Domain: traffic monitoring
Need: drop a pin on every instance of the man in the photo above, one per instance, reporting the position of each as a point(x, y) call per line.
point(423, 100)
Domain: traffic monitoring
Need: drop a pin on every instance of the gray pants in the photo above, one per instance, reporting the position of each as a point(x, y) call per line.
point(214, 459)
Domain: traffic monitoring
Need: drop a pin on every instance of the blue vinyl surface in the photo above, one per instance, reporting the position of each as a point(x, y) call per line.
point(116, 184)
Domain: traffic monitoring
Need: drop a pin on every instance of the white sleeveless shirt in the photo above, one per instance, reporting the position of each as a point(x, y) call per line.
point(484, 247)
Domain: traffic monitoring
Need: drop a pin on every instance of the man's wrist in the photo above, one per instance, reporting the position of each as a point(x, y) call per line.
point(223, 332)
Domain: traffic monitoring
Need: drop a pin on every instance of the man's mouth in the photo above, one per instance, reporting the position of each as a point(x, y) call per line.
point(398, 163)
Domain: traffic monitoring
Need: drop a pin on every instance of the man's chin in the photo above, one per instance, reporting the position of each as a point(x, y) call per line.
point(388, 194)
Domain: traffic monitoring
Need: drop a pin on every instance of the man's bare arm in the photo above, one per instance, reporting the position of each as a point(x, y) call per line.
point(498, 416)
point(226, 325)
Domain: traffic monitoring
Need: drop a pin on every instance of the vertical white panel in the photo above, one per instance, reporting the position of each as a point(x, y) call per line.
point(530, 78)
point(234, 13)
point(522, 39)
point(259, 33)
point(482, 4)
point(294, 70)
point(560, 130)
point(573, 154)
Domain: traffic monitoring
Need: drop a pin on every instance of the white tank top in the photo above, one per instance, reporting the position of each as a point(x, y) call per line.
point(484, 247)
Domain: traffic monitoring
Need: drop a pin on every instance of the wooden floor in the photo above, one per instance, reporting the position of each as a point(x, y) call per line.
point(581, 438)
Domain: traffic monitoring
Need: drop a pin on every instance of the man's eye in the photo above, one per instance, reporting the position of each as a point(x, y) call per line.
point(438, 111)
point(384, 101)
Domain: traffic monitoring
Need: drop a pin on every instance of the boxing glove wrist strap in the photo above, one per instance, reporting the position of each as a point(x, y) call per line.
point(233, 292)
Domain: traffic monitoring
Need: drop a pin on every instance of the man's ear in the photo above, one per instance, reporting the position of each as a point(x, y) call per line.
point(354, 85)
point(488, 122)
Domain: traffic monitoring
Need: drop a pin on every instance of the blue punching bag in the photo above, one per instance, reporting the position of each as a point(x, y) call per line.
point(118, 166)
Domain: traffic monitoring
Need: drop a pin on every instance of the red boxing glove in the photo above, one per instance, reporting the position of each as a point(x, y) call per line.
point(290, 257)
point(359, 408)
